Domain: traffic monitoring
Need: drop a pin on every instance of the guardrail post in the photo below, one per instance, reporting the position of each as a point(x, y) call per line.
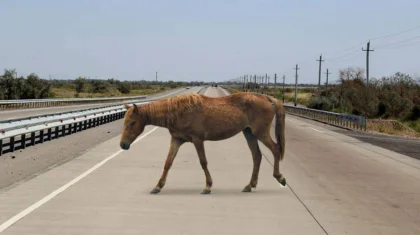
point(49, 134)
point(41, 136)
point(74, 126)
point(1, 147)
point(63, 130)
point(56, 134)
point(12, 144)
point(23, 141)
point(32, 138)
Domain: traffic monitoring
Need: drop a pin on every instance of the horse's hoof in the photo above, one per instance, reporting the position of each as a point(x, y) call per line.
point(155, 191)
point(246, 189)
point(283, 181)
point(206, 191)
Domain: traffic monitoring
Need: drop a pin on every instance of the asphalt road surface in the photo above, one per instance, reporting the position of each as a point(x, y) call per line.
point(337, 184)
point(20, 113)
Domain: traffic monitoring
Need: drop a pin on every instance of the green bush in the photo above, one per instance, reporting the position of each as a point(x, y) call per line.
point(396, 96)
point(124, 87)
point(321, 103)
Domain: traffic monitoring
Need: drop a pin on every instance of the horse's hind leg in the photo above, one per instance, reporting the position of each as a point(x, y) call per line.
point(199, 146)
point(256, 156)
point(173, 150)
point(265, 138)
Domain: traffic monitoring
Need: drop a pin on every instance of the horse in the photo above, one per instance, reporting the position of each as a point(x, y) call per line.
point(196, 118)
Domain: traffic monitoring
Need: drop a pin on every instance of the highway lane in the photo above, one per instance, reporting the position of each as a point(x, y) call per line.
point(337, 185)
point(409, 146)
point(27, 163)
point(115, 198)
point(20, 113)
point(350, 186)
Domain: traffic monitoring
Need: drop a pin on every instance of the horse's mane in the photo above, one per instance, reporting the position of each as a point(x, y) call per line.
point(168, 110)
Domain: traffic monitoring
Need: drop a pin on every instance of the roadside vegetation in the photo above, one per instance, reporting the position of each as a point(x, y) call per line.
point(34, 87)
point(391, 104)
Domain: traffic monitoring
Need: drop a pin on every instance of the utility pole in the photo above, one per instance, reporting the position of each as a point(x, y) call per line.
point(296, 80)
point(251, 82)
point(265, 87)
point(255, 83)
point(367, 68)
point(246, 83)
point(284, 78)
point(319, 73)
point(327, 73)
point(275, 85)
point(326, 83)
point(156, 76)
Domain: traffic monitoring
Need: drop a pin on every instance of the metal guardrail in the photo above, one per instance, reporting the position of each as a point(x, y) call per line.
point(24, 132)
point(37, 103)
point(348, 121)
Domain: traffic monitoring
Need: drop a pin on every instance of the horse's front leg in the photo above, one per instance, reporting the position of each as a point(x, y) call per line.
point(199, 146)
point(173, 150)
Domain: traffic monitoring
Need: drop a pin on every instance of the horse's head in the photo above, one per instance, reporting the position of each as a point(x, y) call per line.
point(133, 126)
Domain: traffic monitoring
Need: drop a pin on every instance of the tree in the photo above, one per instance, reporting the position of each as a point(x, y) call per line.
point(124, 87)
point(351, 73)
point(80, 84)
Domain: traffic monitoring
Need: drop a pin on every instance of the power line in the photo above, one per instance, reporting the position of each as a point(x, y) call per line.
point(343, 56)
point(351, 54)
point(395, 34)
point(410, 44)
point(390, 44)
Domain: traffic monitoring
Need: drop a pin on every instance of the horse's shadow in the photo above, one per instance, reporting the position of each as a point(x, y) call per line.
point(219, 192)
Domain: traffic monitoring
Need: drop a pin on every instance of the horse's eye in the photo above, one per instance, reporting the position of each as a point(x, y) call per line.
point(132, 124)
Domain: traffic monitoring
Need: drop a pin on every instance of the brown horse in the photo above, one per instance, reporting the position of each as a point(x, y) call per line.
point(196, 118)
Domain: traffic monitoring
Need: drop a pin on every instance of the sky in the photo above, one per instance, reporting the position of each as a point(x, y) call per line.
point(186, 40)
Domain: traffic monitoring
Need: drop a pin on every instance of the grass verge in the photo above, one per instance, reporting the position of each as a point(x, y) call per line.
point(395, 127)
point(71, 93)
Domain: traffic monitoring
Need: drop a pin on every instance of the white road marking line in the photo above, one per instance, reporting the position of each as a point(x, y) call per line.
point(207, 90)
point(316, 129)
point(44, 200)
point(297, 122)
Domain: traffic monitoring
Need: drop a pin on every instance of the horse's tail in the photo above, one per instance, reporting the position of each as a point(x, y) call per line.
point(279, 127)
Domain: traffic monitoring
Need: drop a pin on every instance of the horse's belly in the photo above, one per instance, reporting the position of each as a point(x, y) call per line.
point(223, 130)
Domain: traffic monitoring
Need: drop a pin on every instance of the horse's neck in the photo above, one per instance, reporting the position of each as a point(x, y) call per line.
point(156, 120)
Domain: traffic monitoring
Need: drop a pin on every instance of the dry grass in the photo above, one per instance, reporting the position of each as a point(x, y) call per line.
point(289, 97)
point(70, 93)
point(393, 127)
point(390, 127)
point(302, 98)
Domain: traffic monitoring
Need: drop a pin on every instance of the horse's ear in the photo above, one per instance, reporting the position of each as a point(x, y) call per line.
point(135, 109)
point(126, 106)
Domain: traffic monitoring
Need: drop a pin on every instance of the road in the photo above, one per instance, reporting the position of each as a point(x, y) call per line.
point(20, 113)
point(406, 146)
point(25, 164)
point(337, 184)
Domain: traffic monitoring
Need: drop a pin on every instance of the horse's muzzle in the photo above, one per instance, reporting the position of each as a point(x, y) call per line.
point(125, 145)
